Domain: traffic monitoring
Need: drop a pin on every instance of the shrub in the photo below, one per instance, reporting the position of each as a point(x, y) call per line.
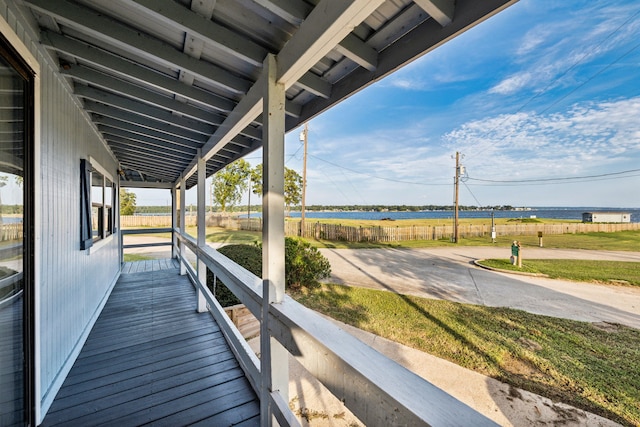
point(304, 267)
point(304, 264)
point(249, 257)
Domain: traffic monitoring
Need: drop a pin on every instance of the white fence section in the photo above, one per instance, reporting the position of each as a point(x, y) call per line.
point(379, 391)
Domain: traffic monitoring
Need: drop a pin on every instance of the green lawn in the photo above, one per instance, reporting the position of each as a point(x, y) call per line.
point(136, 257)
point(612, 272)
point(594, 367)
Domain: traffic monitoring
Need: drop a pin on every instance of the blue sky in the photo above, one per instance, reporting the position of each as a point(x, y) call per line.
point(543, 101)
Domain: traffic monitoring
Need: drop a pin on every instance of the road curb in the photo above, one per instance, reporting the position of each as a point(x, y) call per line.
point(519, 273)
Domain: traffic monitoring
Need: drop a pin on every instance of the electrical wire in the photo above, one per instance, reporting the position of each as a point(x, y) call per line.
point(558, 179)
point(564, 180)
point(471, 192)
point(374, 176)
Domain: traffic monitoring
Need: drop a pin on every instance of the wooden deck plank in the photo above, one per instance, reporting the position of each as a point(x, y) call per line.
point(151, 358)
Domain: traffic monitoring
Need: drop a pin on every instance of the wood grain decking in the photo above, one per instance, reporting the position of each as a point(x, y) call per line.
point(151, 359)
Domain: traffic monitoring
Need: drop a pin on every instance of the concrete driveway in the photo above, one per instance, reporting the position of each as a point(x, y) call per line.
point(449, 273)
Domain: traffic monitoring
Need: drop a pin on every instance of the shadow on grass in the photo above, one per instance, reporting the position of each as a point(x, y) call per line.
point(556, 358)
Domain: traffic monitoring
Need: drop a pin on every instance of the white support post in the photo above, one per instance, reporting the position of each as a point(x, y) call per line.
point(273, 357)
point(183, 219)
point(202, 232)
point(174, 221)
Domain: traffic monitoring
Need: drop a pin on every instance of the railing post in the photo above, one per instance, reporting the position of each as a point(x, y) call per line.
point(183, 192)
point(274, 358)
point(202, 232)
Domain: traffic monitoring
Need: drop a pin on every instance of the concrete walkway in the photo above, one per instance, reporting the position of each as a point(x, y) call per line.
point(449, 273)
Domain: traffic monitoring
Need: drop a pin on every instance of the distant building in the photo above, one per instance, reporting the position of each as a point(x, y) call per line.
point(606, 217)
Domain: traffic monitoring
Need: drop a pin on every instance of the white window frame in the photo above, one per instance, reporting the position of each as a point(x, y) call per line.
point(104, 238)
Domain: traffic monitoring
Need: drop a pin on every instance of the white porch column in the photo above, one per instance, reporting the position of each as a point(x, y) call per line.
point(174, 220)
point(183, 193)
point(273, 357)
point(202, 232)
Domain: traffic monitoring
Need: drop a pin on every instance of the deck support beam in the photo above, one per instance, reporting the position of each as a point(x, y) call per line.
point(202, 232)
point(273, 356)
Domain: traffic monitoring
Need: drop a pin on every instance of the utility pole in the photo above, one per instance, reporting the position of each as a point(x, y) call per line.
point(457, 192)
point(304, 138)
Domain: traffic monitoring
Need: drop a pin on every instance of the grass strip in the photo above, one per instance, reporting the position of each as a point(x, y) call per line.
point(611, 272)
point(136, 257)
point(595, 367)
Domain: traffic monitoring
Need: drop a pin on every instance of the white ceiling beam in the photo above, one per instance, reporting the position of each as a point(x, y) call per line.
point(293, 12)
point(138, 43)
point(359, 52)
point(117, 105)
point(171, 148)
point(200, 28)
point(144, 184)
point(315, 85)
point(145, 131)
point(178, 16)
point(131, 71)
point(101, 95)
point(440, 10)
point(102, 110)
point(328, 24)
point(351, 46)
point(204, 7)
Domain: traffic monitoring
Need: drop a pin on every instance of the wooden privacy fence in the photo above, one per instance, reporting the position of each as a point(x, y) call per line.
point(10, 231)
point(378, 233)
point(212, 220)
point(136, 221)
point(437, 232)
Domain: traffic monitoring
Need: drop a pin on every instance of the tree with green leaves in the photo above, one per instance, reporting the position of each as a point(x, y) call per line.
point(292, 185)
point(229, 183)
point(127, 202)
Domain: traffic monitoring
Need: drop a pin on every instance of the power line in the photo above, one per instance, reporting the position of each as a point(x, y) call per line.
point(558, 179)
point(561, 180)
point(375, 176)
point(471, 192)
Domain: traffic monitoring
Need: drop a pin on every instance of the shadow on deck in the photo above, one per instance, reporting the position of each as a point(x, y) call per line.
point(151, 359)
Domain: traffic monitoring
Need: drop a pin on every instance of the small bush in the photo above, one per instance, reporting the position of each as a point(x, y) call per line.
point(247, 256)
point(305, 266)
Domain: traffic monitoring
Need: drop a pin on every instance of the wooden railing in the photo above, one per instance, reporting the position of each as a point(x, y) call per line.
point(379, 391)
point(123, 233)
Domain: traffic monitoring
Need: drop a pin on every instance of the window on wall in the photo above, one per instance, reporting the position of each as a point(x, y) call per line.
point(97, 204)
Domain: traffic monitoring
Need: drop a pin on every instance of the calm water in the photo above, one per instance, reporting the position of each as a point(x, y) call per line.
point(542, 212)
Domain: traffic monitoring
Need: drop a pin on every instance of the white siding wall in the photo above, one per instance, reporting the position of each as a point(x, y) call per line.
point(72, 283)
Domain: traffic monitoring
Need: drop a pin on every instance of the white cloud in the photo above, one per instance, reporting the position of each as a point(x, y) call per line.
point(587, 137)
point(512, 84)
point(553, 53)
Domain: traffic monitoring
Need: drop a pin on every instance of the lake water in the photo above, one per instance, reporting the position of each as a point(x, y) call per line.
point(541, 212)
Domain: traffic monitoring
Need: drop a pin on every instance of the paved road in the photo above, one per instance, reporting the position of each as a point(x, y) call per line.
point(449, 273)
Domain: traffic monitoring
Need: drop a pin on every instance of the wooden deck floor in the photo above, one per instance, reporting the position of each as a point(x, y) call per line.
point(152, 360)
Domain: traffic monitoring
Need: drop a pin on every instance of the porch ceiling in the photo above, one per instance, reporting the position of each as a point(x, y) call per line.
point(161, 79)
